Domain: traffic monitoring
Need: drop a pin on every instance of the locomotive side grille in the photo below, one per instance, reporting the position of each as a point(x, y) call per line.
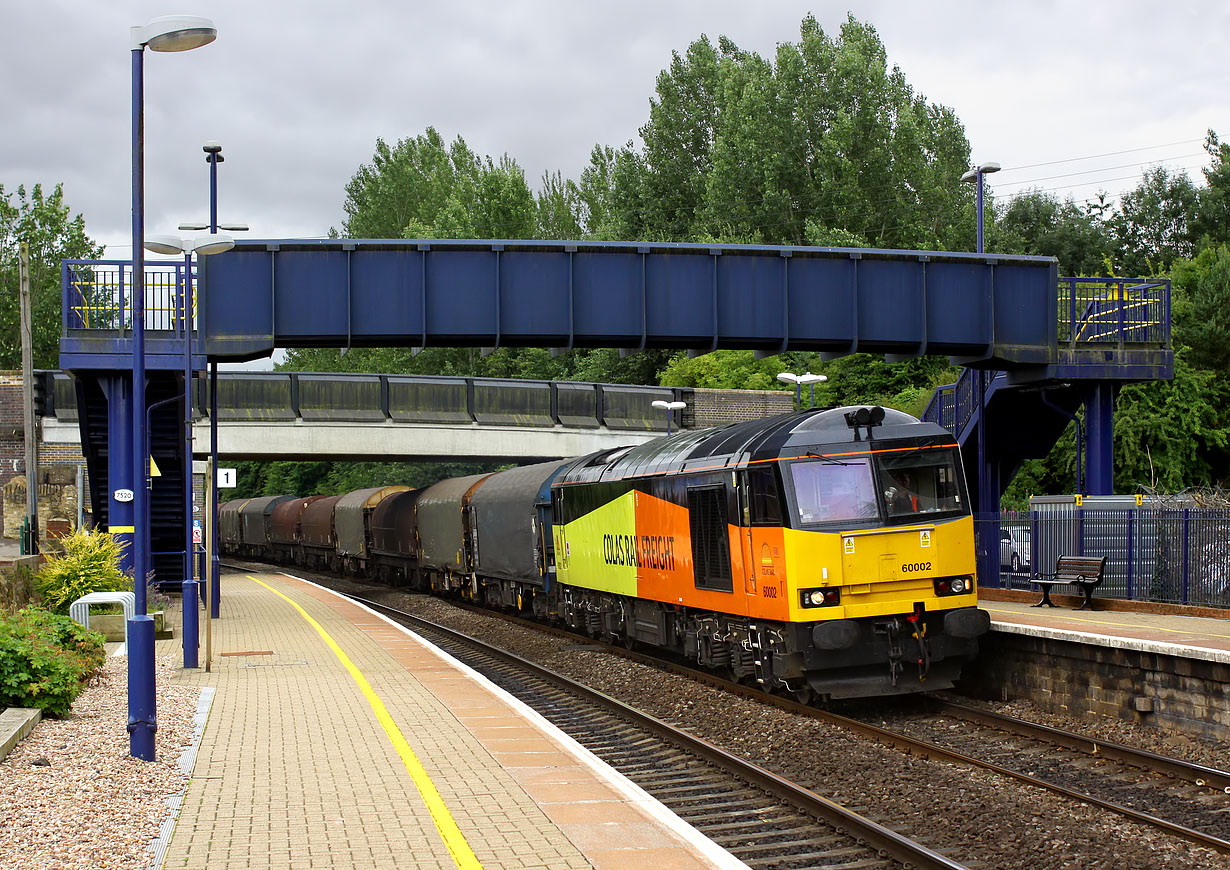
point(710, 543)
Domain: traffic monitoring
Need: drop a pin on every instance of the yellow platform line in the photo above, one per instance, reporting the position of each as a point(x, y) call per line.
point(463, 855)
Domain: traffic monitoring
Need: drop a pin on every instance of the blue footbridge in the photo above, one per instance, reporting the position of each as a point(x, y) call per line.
point(1035, 348)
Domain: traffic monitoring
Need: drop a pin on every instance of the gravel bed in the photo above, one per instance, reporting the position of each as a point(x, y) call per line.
point(1173, 743)
point(70, 794)
point(970, 815)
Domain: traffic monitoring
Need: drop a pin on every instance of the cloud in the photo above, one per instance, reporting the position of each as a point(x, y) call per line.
point(298, 92)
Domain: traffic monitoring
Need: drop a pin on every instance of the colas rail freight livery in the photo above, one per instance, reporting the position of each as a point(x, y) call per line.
point(828, 553)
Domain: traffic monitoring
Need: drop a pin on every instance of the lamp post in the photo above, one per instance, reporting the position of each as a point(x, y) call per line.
point(799, 381)
point(213, 156)
point(168, 33)
point(202, 246)
point(670, 408)
point(987, 536)
point(974, 176)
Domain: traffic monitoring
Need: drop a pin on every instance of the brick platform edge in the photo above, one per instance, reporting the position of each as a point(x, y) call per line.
point(15, 724)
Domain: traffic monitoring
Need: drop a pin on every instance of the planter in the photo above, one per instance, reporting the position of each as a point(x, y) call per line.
point(112, 625)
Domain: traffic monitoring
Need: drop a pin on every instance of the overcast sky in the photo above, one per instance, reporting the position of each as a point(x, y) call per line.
point(298, 92)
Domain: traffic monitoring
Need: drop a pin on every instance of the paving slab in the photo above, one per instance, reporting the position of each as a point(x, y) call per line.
point(299, 768)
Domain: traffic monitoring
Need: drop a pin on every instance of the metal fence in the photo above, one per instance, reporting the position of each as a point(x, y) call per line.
point(1092, 313)
point(1114, 311)
point(98, 296)
point(1174, 555)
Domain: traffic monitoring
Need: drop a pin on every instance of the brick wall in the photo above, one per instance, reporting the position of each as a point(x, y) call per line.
point(719, 407)
point(57, 469)
point(1188, 695)
point(12, 443)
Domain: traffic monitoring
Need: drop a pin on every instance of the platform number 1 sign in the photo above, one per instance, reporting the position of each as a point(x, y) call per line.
point(226, 478)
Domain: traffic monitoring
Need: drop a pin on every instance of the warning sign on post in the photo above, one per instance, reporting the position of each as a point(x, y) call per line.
point(196, 531)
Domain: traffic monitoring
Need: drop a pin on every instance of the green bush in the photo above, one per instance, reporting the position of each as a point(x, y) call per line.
point(91, 563)
point(45, 658)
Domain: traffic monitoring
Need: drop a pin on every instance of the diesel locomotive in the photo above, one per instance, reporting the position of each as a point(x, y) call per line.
point(828, 553)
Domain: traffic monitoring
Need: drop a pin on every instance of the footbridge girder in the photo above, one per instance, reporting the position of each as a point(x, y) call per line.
point(987, 312)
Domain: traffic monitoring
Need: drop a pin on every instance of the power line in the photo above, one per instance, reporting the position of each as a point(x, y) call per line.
point(1098, 156)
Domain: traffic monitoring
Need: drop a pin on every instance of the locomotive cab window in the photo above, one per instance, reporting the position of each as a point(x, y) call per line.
point(766, 506)
point(921, 482)
point(831, 490)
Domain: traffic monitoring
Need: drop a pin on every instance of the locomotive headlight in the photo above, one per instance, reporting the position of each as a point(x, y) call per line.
point(819, 597)
point(954, 585)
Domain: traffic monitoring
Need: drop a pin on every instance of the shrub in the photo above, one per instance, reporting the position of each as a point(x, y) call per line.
point(45, 659)
point(91, 563)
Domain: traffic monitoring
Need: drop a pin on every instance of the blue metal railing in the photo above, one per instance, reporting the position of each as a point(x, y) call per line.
point(1092, 313)
point(952, 405)
point(1118, 311)
point(97, 295)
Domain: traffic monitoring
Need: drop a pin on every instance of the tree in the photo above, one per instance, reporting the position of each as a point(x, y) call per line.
point(43, 223)
point(1201, 306)
point(1211, 223)
point(1152, 227)
point(826, 137)
point(1038, 223)
point(421, 188)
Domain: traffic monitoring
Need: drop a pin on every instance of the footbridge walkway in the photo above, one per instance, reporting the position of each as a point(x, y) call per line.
point(1053, 344)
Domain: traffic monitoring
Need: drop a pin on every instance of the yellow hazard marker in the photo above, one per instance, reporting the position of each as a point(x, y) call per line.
point(463, 855)
point(153, 468)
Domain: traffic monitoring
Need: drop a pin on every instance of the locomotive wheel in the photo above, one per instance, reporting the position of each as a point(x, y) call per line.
point(805, 695)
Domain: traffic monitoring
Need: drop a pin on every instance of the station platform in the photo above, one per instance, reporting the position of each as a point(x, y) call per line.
point(339, 739)
point(1174, 633)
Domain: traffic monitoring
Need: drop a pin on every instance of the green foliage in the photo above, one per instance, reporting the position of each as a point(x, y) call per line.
point(1173, 434)
point(823, 144)
point(338, 478)
point(1038, 223)
point(44, 660)
point(91, 563)
point(43, 223)
point(1152, 228)
point(421, 188)
point(1201, 306)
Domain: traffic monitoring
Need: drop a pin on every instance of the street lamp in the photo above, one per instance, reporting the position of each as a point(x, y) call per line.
point(202, 246)
point(213, 156)
point(988, 537)
point(974, 176)
point(669, 408)
point(799, 381)
point(168, 33)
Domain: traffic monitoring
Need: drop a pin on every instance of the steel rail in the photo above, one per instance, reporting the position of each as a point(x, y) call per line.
point(875, 836)
point(1196, 774)
point(881, 735)
point(910, 744)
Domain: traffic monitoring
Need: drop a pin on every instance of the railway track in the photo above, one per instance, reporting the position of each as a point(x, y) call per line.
point(1177, 797)
point(1181, 799)
point(759, 817)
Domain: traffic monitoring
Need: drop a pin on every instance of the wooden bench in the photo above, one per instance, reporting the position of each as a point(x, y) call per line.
point(1082, 571)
